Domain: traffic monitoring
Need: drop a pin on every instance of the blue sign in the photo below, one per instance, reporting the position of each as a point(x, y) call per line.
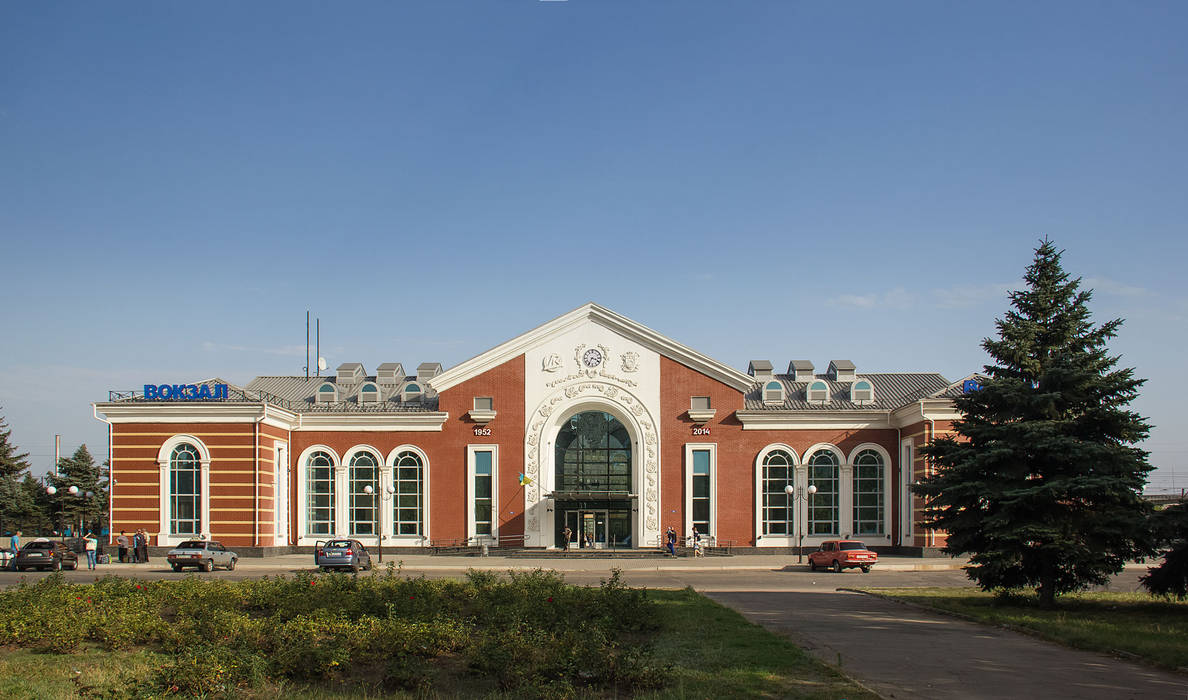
point(970, 385)
point(185, 392)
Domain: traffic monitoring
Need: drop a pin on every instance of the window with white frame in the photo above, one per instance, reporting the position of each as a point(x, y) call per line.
point(319, 494)
point(369, 393)
point(412, 391)
point(699, 487)
point(861, 392)
point(823, 469)
point(363, 472)
point(779, 472)
point(408, 496)
point(482, 472)
point(818, 391)
point(773, 392)
point(185, 490)
point(327, 393)
point(868, 493)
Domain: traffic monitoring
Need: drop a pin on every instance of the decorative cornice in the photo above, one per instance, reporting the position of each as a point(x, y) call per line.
point(702, 415)
point(481, 416)
point(825, 420)
point(608, 319)
point(403, 421)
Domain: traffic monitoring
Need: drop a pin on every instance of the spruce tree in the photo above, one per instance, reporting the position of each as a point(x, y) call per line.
point(1170, 528)
point(13, 466)
point(1042, 487)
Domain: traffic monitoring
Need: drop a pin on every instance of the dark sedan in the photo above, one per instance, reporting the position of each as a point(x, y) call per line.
point(46, 554)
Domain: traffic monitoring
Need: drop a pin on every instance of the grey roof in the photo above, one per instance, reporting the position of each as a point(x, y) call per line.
point(842, 364)
point(957, 388)
point(759, 366)
point(891, 391)
point(297, 394)
point(802, 365)
point(388, 365)
point(350, 365)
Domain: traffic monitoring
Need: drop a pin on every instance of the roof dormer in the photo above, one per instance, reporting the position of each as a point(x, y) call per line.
point(800, 370)
point(368, 393)
point(841, 370)
point(389, 373)
point(862, 392)
point(761, 370)
point(349, 373)
point(816, 392)
point(327, 393)
point(773, 392)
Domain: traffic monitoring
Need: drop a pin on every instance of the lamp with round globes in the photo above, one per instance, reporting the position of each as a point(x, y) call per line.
point(73, 491)
point(379, 537)
point(797, 493)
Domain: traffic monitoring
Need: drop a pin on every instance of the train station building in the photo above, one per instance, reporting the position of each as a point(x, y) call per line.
point(590, 422)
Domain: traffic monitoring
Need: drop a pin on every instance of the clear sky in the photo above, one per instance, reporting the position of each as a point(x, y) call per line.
point(180, 181)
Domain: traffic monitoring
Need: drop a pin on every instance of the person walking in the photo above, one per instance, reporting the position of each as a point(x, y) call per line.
point(672, 538)
point(92, 548)
point(14, 543)
point(566, 534)
point(122, 541)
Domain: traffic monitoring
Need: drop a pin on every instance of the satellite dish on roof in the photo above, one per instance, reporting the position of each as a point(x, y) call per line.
point(322, 364)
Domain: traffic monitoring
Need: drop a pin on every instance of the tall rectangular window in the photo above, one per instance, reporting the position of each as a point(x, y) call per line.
point(319, 494)
point(483, 474)
point(700, 488)
point(185, 489)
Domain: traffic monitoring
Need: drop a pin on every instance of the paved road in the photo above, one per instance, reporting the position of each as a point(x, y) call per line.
point(903, 652)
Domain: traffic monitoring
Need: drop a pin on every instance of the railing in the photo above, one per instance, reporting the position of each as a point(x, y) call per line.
point(233, 395)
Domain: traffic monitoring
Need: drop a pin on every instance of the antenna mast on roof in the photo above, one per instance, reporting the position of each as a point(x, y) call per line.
point(318, 344)
point(307, 343)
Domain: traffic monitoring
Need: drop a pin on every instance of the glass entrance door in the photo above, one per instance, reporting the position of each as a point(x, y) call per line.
point(588, 528)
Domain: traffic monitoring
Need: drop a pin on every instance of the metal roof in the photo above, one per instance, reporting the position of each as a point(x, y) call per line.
point(891, 391)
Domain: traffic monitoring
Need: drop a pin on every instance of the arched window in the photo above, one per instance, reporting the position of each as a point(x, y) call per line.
point(185, 491)
point(773, 392)
point(823, 505)
point(364, 472)
point(593, 453)
point(327, 393)
point(319, 494)
point(412, 391)
point(408, 499)
point(861, 392)
point(779, 471)
point(369, 393)
point(868, 493)
point(818, 391)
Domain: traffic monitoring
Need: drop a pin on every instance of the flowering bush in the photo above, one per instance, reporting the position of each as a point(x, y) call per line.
point(529, 631)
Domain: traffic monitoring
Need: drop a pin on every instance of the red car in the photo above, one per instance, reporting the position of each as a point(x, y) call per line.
point(843, 554)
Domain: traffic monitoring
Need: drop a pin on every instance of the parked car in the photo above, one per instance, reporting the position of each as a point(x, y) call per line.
point(341, 554)
point(6, 557)
point(843, 554)
point(46, 554)
point(201, 554)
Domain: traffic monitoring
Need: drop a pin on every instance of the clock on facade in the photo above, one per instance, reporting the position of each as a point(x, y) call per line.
point(592, 357)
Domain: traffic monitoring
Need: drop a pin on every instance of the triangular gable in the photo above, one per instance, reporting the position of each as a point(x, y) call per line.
point(608, 319)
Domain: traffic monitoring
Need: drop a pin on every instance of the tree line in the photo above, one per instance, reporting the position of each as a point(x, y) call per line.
point(27, 505)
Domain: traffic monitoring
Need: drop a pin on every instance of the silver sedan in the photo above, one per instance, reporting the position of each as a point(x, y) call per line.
point(202, 554)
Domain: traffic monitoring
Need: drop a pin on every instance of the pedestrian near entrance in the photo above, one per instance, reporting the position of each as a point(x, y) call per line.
point(92, 546)
point(566, 534)
point(122, 541)
point(697, 543)
point(14, 543)
point(144, 546)
point(672, 538)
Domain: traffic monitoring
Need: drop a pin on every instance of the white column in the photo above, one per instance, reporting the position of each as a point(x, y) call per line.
point(341, 502)
point(845, 500)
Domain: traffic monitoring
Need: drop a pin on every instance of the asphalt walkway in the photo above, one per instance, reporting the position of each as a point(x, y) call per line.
point(902, 651)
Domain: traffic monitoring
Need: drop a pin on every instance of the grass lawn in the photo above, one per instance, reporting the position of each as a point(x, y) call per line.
point(1152, 629)
point(700, 648)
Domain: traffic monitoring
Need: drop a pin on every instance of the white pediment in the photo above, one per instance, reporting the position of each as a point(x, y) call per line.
point(586, 315)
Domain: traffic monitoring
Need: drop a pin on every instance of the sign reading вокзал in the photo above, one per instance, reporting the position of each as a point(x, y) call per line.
point(185, 392)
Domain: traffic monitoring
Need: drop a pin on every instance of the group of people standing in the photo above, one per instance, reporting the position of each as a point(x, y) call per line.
point(133, 549)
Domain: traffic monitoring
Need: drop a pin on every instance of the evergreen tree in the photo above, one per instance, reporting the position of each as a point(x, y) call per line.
point(1043, 487)
point(12, 467)
point(80, 470)
point(1170, 578)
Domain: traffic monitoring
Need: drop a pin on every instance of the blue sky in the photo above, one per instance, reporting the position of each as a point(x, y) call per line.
point(179, 182)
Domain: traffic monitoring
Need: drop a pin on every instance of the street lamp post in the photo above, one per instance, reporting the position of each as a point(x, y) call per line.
point(798, 493)
point(73, 491)
point(379, 538)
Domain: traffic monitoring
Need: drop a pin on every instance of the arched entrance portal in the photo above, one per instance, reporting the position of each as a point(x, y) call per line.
point(592, 481)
